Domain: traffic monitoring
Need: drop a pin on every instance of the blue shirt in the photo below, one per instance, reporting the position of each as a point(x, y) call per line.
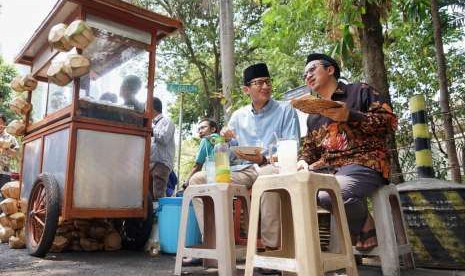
point(275, 117)
point(205, 148)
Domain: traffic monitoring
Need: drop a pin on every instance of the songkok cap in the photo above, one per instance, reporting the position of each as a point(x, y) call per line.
point(328, 59)
point(258, 70)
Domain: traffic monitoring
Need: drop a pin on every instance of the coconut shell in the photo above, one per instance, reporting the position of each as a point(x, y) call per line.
point(79, 34)
point(20, 106)
point(9, 206)
point(57, 74)
point(16, 85)
point(21, 234)
point(90, 244)
point(17, 220)
point(5, 144)
point(59, 244)
point(57, 38)
point(76, 65)
point(10, 190)
point(6, 233)
point(16, 128)
point(29, 82)
point(97, 232)
point(16, 243)
point(22, 206)
point(112, 241)
point(5, 221)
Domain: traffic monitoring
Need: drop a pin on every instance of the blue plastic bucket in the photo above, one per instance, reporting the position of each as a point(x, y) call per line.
point(169, 217)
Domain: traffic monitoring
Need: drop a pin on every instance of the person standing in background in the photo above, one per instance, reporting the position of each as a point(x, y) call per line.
point(162, 150)
point(8, 149)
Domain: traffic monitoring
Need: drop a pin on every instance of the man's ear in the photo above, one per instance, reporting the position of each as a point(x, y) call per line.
point(246, 89)
point(331, 70)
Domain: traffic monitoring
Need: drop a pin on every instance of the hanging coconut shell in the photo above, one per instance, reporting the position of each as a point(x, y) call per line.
point(57, 38)
point(57, 74)
point(76, 65)
point(16, 85)
point(79, 34)
point(21, 234)
point(20, 106)
point(16, 128)
point(29, 82)
point(5, 143)
point(16, 243)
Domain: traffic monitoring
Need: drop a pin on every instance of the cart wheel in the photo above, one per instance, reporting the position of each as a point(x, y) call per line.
point(42, 215)
point(136, 231)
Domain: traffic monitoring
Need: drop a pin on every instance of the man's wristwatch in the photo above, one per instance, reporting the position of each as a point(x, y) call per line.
point(264, 161)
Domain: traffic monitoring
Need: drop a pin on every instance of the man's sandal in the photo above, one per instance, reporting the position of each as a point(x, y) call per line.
point(365, 236)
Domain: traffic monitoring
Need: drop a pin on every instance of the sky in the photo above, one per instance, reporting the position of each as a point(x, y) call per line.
point(18, 21)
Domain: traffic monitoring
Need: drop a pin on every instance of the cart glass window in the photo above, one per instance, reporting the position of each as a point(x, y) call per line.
point(39, 102)
point(118, 74)
point(58, 97)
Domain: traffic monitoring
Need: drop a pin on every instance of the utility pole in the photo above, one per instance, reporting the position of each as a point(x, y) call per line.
point(227, 53)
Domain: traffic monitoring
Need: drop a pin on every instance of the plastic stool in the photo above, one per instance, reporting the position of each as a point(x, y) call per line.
point(300, 249)
point(218, 241)
point(390, 232)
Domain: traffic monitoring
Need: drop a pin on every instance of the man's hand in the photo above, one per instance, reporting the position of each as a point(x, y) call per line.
point(227, 133)
point(338, 114)
point(302, 165)
point(257, 157)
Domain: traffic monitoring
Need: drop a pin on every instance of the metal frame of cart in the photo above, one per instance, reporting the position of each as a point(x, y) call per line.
point(82, 157)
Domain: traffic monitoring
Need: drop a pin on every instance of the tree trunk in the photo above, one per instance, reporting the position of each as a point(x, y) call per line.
point(371, 39)
point(227, 53)
point(444, 95)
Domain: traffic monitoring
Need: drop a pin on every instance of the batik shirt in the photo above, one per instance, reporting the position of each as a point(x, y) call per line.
point(6, 141)
point(361, 140)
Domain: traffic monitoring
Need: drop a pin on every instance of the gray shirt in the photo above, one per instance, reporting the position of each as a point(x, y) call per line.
point(162, 148)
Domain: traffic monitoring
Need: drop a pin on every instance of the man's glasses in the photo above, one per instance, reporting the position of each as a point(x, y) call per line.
point(312, 69)
point(260, 83)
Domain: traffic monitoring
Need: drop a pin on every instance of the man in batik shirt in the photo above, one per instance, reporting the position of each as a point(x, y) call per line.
point(349, 141)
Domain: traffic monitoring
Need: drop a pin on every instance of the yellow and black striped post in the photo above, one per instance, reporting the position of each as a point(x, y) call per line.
point(423, 157)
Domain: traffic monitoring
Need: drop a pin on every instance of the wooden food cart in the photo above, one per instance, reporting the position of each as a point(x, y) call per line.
point(84, 155)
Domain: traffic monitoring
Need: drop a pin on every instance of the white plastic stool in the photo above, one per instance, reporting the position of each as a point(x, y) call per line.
point(218, 226)
point(300, 249)
point(390, 232)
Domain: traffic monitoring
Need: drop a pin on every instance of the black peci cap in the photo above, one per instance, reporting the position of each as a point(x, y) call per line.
point(330, 60)
point(258, 70)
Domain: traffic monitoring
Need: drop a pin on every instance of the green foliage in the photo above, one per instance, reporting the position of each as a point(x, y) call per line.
point(7, 73)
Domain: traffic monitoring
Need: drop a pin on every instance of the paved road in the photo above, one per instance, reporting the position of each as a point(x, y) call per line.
point(19, 263)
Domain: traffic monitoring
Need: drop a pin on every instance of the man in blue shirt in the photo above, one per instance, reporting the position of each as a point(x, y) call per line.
point(263, 120)
point(208, 131)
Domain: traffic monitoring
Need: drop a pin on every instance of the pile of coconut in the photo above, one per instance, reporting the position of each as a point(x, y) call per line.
point(13, 218)
point(86, 235)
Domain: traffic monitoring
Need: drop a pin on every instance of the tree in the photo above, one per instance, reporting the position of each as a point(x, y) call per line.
point(7, 73)
point(418, 11)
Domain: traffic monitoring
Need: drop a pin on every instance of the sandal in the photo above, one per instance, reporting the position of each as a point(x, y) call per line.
point(364, 236)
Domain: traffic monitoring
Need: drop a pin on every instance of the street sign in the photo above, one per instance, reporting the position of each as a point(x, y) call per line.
point(182, 88)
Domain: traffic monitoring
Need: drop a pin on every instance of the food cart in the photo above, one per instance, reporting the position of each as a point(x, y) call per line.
point(84, 155)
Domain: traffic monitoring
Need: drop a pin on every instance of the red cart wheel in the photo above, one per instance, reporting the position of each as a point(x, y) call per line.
point(42, 215)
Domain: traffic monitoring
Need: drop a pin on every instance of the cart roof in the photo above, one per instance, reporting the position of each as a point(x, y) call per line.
point(113, 9)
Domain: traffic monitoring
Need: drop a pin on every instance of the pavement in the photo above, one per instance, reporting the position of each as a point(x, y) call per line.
point(18, 262)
